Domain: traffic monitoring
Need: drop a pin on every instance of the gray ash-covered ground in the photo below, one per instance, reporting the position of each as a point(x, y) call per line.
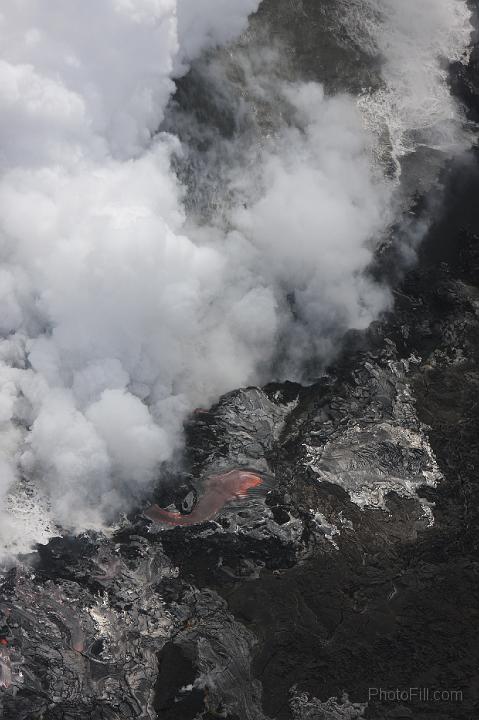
point(355, 566)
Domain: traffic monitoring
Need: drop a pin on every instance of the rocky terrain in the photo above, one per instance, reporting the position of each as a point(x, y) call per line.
point(354, 566)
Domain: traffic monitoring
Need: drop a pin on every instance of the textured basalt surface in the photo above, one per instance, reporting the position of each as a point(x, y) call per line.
point(354, 566)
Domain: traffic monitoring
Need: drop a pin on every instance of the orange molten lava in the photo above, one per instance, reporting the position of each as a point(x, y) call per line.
point(219, 489)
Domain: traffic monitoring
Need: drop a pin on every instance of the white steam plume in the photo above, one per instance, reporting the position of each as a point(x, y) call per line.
point(103, 298)
point(117, 321)
point(414, 38)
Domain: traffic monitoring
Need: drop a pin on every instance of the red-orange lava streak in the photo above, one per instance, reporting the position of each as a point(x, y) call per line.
point(219, 489)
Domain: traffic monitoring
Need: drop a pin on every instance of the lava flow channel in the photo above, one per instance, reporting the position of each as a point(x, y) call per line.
point(219, 490)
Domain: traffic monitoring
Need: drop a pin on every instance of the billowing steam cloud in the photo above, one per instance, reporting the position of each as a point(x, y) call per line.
point(413, 37)
point(119, 314)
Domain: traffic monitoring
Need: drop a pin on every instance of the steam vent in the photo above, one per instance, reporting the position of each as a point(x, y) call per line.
point(239, 360)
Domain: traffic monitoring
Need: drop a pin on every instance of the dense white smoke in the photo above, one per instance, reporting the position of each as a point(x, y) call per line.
point(103, 298)
point(314, 220)
point(116, 320)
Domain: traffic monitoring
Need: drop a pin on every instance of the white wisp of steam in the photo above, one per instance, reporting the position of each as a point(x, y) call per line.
point(415, 39)
point(115, 321)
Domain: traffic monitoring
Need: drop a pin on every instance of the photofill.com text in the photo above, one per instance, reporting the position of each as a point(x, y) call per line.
point(414, 694)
